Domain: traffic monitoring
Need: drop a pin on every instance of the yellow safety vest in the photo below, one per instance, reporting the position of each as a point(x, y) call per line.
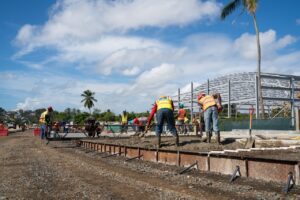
point(207, 101)
point(43, 117)
point(165, 102)
point(124, 118)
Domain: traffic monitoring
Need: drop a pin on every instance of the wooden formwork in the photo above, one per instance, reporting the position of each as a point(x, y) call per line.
point(257, 168)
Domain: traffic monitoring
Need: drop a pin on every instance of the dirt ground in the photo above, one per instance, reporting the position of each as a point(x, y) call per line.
point(30, 169)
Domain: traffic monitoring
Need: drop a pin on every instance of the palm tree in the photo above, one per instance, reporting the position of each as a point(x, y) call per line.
point(250, 6)
point(88, 99)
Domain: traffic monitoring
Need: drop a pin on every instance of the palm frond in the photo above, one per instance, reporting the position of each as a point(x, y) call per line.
point(229, 8)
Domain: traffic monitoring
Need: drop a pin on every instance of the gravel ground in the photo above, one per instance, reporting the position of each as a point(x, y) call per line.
point(30, 169)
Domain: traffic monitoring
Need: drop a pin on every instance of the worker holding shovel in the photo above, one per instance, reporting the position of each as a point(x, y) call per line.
point(164, 109)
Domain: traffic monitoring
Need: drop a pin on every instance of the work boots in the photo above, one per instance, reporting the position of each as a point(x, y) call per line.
point(208, 137)
point(218, 137)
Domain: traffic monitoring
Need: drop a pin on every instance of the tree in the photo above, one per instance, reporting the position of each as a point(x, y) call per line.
point(88, 99)
point(250, 6)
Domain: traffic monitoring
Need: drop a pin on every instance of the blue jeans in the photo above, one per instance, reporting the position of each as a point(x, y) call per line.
point(211, 117)
point(162, 115)
point(43, 131)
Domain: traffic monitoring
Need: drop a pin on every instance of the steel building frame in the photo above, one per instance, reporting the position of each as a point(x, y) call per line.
point(241, 89)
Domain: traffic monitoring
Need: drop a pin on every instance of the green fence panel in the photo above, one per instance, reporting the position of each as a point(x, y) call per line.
point(258, 124)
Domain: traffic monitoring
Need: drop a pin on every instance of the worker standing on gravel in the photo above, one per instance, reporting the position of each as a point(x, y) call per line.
point(163, 108)
point(211, 105)
point(45, 121)
point(124, 121)
point(181, 117)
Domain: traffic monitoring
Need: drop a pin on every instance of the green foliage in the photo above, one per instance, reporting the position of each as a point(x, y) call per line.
point(88, 99)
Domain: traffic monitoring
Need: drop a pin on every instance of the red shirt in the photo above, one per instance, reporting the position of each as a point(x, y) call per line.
point(136, 121)
point(181, 114)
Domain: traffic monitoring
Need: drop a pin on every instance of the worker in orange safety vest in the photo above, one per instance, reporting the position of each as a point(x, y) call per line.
point(211, 105)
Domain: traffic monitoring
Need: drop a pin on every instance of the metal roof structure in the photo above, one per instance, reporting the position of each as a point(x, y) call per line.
point(241, 89)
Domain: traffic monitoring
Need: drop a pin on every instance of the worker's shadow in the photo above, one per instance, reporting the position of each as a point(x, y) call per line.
point(228, 141)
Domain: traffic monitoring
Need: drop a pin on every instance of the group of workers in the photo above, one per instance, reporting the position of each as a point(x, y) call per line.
point(163, 108)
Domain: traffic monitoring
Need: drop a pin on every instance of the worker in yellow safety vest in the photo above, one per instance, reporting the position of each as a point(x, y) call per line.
point(124, 121)
point(211, 105)
point(45, 121)
point(163, 108)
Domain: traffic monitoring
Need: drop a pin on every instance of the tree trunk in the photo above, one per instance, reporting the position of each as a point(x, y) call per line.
point(260, 97)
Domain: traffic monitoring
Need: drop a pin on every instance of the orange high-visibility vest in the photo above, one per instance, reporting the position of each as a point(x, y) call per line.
point(165, 102)
point(207, 101)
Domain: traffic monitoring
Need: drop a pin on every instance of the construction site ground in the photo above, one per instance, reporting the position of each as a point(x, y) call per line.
point(33, 169)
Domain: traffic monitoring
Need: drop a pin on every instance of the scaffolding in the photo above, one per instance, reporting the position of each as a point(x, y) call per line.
point(240, 89)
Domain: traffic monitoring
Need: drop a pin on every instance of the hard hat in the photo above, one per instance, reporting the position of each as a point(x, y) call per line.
point(181, 105)
point(162, 96)
point(201, 95)
point(50, 109)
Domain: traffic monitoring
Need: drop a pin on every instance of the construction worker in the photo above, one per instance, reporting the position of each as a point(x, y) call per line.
point(124, 121)
point(211, 105)
point(2, 127)
point(45, 121)
point(163, 108)
point(196, 124)
point(181, 117)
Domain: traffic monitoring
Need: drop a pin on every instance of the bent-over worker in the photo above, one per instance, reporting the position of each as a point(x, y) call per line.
point(211, 105)
point(164, 108)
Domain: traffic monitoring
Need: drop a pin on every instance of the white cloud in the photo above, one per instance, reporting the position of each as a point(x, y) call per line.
point(158, 76)
point(73, 21)
point(246, 44)
point(157, 72)
point(132, 71)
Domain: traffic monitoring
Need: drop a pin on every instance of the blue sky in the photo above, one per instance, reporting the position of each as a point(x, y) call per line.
point(131, 51)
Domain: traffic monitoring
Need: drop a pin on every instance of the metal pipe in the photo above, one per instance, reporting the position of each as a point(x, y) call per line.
point(229, 96)
point(292, 101)
point(192, 88)
point(256, 98)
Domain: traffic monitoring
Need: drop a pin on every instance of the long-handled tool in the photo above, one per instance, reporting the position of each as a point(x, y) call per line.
point(250, 141)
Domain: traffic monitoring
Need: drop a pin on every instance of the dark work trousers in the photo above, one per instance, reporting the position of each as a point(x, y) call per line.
point(162, 115)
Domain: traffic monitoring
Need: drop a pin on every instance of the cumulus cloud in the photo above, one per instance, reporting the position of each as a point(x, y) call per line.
point(73, 21)
point(199, 57)
point(246, 44)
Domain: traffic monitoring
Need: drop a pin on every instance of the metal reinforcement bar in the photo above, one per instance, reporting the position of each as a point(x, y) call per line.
point(188, 168)
point(112, 155)
point(136, 157)
point(218, 162)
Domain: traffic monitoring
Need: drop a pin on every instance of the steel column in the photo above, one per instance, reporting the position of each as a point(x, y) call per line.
point(229, 96)
point(192, 97)
point(256, 98)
